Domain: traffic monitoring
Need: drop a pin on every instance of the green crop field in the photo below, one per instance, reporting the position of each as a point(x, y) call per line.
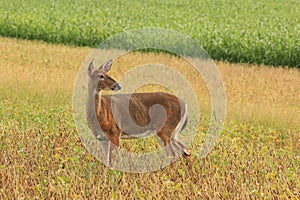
point(263, 31)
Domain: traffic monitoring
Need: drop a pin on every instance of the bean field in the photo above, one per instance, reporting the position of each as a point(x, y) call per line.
point(42, 156)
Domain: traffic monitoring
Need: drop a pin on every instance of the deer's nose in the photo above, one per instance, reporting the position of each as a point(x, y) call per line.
point(116, 87)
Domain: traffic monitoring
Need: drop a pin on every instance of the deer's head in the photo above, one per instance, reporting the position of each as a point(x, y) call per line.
point(99, 79)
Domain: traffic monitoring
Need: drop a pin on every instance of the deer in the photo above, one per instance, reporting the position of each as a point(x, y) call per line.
point(160, 113)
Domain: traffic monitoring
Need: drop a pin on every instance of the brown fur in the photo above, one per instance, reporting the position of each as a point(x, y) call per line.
point(139, 109)
point(161, 113)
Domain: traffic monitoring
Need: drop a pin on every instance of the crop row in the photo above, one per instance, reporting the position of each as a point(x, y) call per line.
point(264, 32)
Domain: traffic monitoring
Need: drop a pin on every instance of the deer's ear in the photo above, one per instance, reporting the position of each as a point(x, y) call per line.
point(106, 66)
point(91, 68)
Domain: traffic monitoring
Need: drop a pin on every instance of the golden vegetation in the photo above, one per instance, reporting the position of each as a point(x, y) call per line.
point(41, 155)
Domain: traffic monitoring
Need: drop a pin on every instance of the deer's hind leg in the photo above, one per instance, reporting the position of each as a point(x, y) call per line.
point(185, 151)
point(165, 142)
point(175, 148)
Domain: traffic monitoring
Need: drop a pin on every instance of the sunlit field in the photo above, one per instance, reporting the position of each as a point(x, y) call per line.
point(42, 157)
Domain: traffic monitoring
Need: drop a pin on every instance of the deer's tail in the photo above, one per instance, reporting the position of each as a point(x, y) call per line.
point(182, 123)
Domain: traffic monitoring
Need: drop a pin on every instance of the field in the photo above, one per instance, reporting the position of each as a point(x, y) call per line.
point(264, 32)
point(41, 155)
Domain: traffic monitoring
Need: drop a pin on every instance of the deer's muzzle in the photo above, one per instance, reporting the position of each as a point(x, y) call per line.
point(116, 87)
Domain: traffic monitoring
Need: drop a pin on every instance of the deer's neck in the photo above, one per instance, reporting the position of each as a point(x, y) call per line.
point(97, 103)
point(93, 106)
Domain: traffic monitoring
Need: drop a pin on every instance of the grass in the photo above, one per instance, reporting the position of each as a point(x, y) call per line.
point(41, 155)
point(265, 32)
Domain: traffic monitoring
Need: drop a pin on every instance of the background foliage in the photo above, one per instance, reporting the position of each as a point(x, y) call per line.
point(265, 32)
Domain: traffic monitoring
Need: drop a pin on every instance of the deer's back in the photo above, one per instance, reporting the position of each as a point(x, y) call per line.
point(139, 112)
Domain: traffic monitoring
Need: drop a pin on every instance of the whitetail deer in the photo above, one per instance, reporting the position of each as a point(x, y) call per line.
point(165, 124)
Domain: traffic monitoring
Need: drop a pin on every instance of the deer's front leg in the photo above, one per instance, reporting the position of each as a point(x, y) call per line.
point(109, 152)
point(105, 154)
point(113, 145)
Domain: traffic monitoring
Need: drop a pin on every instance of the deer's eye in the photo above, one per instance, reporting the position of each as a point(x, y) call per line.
point(101, 77)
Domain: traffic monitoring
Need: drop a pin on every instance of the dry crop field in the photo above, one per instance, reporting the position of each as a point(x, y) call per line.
point(42, 157)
